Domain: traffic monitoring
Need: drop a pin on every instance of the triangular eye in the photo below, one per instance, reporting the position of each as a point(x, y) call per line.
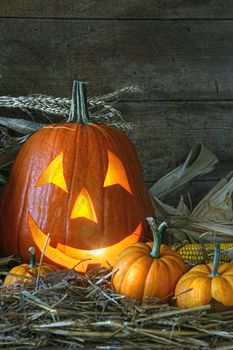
point(54, 174)
point(83, 207)
point(116, 173)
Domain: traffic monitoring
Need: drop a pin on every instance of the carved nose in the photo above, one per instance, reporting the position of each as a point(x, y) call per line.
point(83, 207)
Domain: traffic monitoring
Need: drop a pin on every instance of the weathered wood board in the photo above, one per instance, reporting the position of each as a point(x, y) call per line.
point(187, 60)
point(155, 9)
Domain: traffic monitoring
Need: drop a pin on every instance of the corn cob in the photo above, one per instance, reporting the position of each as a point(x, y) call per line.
point(203, 253)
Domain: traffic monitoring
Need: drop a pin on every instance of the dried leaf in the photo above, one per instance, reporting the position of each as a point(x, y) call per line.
point(20, 125)
point(200, 161)
point(217, 204)
point(201, 230)
point(211, 220)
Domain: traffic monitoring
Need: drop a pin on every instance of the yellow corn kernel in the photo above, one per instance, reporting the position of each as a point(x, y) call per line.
point(203, 253)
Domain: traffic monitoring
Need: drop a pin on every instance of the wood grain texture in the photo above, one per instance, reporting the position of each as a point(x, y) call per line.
point(169, 60)
point(162, 9)
point(164, 133)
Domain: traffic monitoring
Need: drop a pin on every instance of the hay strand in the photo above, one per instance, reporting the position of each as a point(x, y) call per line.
point(83, 310)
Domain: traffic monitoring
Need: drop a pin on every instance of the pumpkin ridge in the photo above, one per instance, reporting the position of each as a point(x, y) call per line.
point(174, 259)
point(166, 250)
point(119, 277)
point(74, 165)
point(98, 140)
point(158, 264)
point(23, 195)
point(220, 290)
point(147, 279)
point(54, 138)
point(195, 297)
point(201, 269)
point(226, 269)
point(172, 277)
point(136, 249)
point(142, 279)
point(20, 233)
point(101, 141)
point(137, 255)
point(194, 272)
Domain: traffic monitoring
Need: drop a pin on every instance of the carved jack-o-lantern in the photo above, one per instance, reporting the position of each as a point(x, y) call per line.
point(80, 182)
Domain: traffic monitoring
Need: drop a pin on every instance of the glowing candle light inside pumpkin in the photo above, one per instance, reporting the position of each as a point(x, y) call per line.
point(69, 255)
point(116, 173)
point(83, 207)
point(96, 252)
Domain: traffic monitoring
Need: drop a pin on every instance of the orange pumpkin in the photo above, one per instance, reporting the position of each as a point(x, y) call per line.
point(27, 270)
point(148, 269)
point(204, 284)
point(80, 182)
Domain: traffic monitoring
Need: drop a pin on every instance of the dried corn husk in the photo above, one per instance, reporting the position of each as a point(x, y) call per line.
point(22, 126)
point(217, 204)
point(211, 219)
point(200, 161)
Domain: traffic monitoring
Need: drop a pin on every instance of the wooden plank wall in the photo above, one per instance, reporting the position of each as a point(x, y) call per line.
point(179, 52)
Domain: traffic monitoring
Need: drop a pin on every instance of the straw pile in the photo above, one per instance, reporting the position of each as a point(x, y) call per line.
point(73, 310)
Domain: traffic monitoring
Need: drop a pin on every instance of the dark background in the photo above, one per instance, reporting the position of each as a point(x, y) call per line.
point(179, 52)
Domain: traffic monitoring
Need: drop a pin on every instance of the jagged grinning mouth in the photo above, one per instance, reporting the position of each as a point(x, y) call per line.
point(69, 257)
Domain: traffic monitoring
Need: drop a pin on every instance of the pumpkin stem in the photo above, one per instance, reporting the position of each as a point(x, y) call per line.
point(214, 272)
point(79, 108)
point(157, 233)
point(32, 261)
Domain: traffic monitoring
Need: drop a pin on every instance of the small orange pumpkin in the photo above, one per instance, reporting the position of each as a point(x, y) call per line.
point(205, 284)
point(148, 269)
point(23, 271)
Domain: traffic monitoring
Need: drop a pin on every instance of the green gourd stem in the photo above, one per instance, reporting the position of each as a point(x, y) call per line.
point(79, 107)
point(214, 272)
point(157, 233)
point(32, 261)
